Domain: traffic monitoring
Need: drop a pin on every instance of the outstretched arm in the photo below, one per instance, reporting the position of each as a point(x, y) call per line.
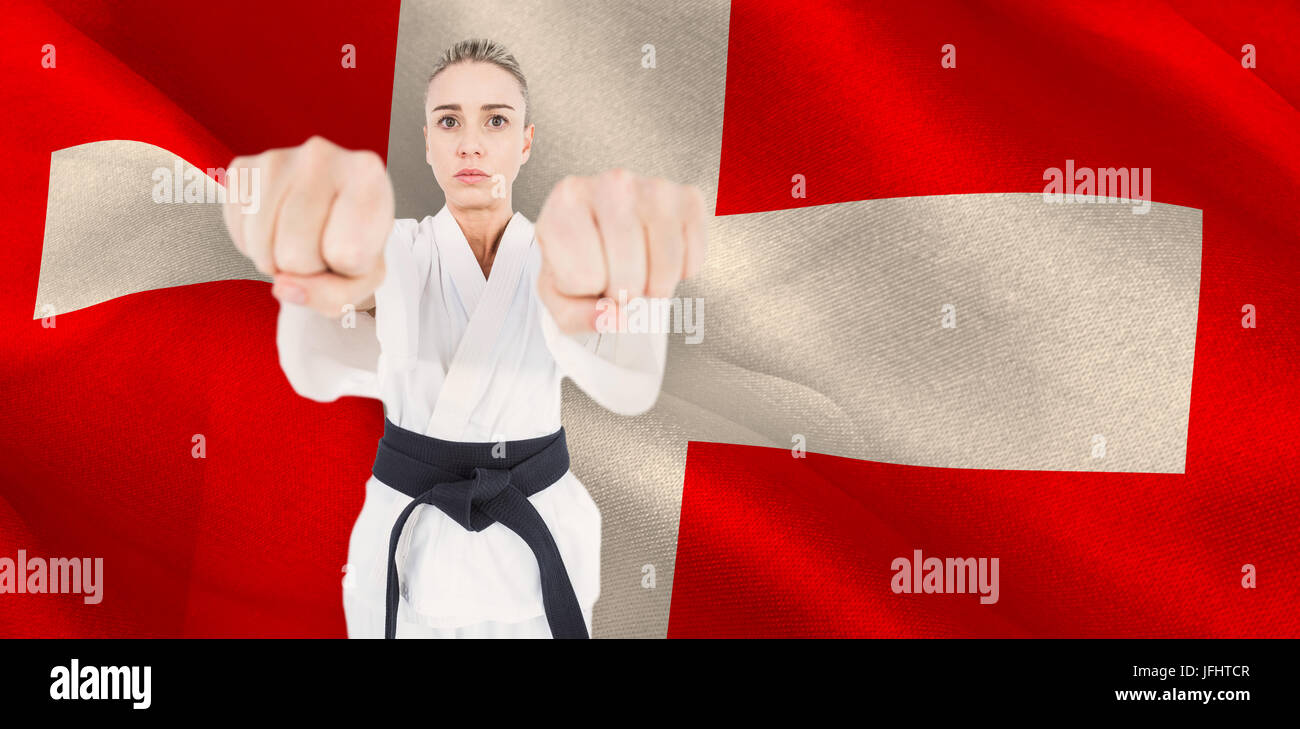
point(320, 229)
point(607, 241)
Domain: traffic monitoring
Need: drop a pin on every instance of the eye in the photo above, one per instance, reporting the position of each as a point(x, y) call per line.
point(445, 118)
point(504, 121)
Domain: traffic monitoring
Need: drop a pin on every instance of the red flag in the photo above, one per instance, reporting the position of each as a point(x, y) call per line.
point(105, 407)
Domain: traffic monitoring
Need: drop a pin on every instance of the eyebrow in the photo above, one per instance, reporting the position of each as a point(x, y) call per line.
point(485, 107)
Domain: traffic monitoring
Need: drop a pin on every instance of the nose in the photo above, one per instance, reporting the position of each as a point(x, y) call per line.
point(470, 145)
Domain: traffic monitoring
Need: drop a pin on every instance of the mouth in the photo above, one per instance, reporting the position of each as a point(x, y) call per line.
point(471, 175)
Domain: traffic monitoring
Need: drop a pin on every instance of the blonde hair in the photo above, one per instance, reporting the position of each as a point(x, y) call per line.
point(485, 51)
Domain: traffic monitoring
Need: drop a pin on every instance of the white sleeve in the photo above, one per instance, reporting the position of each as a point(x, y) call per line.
point(325, 360)
point(622, 371)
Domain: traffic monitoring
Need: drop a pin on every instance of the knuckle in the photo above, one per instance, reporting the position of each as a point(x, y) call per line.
point(270, 159)
point(692, 200)
point(654, 197)
point(266, 165)
point(665, 206)
point(662, 188)
point(310, 160)
point(365, 166)
point(311, 157)
point(367, 160)
point(700, 209)
point(618, 181)
point(375, 188)
point(569, 190)
point(316, 144)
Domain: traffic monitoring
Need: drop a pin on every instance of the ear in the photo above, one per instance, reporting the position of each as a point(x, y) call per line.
point(528, 142)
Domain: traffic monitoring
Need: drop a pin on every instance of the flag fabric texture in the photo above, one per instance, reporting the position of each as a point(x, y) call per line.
point(973, 371)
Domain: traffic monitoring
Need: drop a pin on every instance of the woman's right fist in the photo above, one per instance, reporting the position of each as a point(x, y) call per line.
point(321, 225)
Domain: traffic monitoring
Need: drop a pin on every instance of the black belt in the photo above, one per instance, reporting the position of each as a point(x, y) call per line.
point(478, 485)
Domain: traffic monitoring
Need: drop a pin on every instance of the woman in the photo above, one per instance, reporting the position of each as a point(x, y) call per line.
point(470, 318)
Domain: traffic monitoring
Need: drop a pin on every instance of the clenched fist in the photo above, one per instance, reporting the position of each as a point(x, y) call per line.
point(616, 232)
point(321, 225)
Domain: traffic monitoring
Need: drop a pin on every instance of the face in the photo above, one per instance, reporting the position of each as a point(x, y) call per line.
point(474, 121)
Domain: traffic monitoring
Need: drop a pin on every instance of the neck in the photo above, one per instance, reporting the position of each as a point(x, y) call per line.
point(483, 228)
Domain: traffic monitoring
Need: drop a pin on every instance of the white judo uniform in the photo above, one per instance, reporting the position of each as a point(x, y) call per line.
point(458, 357)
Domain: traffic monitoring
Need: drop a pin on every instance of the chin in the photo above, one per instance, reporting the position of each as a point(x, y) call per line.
point(472, 199)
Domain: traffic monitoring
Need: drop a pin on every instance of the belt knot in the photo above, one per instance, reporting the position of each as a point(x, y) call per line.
point(470, 497)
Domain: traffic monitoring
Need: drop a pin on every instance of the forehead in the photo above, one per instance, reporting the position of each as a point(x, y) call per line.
point(472, 84)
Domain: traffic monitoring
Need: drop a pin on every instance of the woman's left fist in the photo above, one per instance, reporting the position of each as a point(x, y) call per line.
point(616, 232)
